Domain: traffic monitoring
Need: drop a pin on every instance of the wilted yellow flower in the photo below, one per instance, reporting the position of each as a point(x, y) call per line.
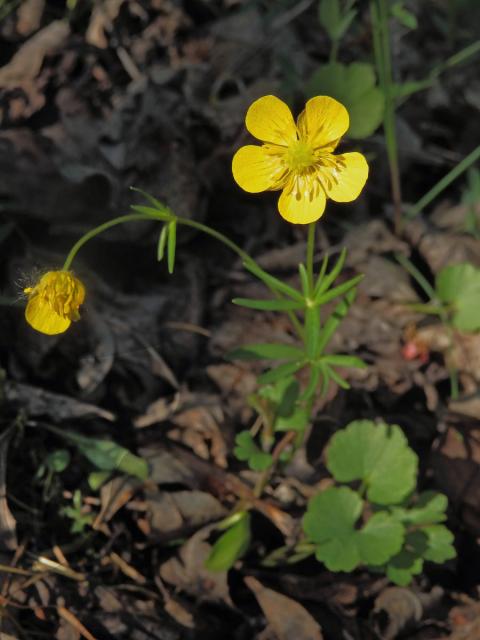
point(53, 303)
point(298, 158)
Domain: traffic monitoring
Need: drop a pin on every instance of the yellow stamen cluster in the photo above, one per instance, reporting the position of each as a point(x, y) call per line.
point(54, 302)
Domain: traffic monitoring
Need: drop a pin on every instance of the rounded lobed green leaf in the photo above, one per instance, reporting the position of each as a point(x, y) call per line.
point(439, 543)
point(376, 454)
point(330, 523)
point(354, 86)
point(247, 451)
point(380, 539)
point(459, 285)
point(429, 509)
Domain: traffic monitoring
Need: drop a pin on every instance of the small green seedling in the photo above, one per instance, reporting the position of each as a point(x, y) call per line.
point(377, 521)
point(81, 519)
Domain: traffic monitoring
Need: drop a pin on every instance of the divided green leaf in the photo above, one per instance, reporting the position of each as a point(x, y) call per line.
point(248, 451)
point(330, 522)
point(409, 561)
point(334, 18)
point(354, 86)
point(378, 455)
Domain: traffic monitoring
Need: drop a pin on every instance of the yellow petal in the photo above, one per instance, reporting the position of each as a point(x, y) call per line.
point(323, 122)
point(255, 169)
point(42, 317)
point(344, 184)
point(302, 204)
point(269, 119)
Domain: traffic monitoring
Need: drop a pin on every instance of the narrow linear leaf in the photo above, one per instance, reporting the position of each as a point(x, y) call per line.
point(274, 283)
point(153, 201)
point(338, 291)
point(269, 305)
point(331, 324)
point(312, 383)
point(231, 546)
point(266, 351)
point(324, 282)
point(157, 214)
point(280, 372)
point(344, 361)
point(162, 241)
point(304, 280)
point(172, 245)
point(337, 378)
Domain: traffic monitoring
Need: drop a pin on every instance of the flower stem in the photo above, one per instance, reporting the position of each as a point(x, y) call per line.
point(164, 216)
point(310, 254)
point(131, 217)
point(381, 42)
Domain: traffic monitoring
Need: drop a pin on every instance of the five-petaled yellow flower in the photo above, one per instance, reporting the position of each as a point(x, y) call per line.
point(298, 158)
point(53, 303)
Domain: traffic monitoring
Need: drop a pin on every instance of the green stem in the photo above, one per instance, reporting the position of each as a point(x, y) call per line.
point(131, 217)
point(310, 255)
point(416, 275)
point(168, 217)
point(334, 51)
point(458, 58)
point(381, 42)
point(442, 184)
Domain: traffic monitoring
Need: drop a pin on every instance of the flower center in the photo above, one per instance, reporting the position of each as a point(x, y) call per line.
point(299, 156)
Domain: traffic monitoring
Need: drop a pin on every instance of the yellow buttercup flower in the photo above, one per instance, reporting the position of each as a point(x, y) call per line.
point(53, 303)
point(298, 158)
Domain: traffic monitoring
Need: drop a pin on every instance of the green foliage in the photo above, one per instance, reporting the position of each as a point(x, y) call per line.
point(268, 305)
point(76, 512)
point(171, 245)
point(376, 454)
point(389, 531)
point(471, 200)
point(404, 16)
point(56, 462)
point(107, 455)
point(336, 17)
point(231, 545)
point(266, 351)
point(330, 522)
point(458, 287)
point(246, 450)
point(354, 86)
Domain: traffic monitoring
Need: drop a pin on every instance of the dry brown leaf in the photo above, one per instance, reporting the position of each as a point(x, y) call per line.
point(456, 464)
point(465, 621)
point(101, 20)
point(397, 609)
point(188, 572)
point(8, 525)
point(440, 249)
point(27, 62)
point(58, 407)
point(171, 512)
point(288, 619)
point(30, 16)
